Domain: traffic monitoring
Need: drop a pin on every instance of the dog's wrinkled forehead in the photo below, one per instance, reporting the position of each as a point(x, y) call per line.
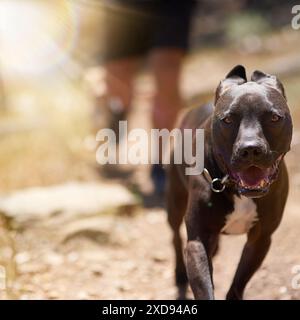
point(262, 89)
point(250, 96)
point(247, 91)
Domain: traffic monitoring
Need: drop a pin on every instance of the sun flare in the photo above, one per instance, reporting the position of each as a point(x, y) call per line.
point(35, 36)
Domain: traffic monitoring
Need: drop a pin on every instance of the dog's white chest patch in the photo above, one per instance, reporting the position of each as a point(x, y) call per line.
point(242, 218)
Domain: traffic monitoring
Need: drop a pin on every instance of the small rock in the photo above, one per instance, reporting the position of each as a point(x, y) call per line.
point(53, 294)
point(97, 273)
point(124, 287)
point(159, 258)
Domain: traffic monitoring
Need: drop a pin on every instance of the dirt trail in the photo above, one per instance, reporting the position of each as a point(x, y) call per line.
point(131, 258)
point(128, 254)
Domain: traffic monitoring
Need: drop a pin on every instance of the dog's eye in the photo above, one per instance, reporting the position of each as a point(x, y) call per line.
point(227, 119)
point(275, 117)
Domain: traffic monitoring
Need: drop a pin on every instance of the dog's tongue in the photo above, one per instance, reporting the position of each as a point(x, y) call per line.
point(252, 176)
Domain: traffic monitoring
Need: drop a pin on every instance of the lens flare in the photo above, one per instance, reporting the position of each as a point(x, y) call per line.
point(36, 37)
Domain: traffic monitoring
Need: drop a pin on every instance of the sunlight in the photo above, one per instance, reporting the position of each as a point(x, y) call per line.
point(35, 36)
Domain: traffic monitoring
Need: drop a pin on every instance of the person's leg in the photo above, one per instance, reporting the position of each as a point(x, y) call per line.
point(113, 93)
point(118, 90)
point(119, 76)
point(112, 90)
point(124, 43)
point(166, 64)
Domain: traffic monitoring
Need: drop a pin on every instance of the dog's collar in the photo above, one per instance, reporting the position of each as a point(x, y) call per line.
point(217, 184)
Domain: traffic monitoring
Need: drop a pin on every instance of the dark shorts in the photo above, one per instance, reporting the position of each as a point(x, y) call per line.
point(134, 27)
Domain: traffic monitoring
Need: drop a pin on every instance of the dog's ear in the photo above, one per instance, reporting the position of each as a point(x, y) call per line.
point(268, 80)
point(235, 77)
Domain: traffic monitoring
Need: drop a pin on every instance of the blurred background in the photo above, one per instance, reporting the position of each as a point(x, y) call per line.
point(66, 231)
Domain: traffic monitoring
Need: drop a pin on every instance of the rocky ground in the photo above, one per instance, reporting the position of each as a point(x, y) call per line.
point(130, 257)
point(92, 238)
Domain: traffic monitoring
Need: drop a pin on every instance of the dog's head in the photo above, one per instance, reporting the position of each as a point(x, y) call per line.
point(251, 129)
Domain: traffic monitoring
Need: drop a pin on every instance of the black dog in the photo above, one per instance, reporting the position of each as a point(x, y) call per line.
point(247, 134)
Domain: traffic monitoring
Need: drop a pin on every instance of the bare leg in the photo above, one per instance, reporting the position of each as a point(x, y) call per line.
point(112, 91)
point(166, 65)
point(119, 78)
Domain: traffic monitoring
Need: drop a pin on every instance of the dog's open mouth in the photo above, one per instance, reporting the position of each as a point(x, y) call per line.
point(254, 178)
point(255, 181)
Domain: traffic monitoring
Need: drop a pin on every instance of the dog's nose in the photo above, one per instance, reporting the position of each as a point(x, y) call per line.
point(250, 152)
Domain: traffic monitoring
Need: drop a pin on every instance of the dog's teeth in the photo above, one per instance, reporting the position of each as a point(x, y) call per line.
point(262, 183)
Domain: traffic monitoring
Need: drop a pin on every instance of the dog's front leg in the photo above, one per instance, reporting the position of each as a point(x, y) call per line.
point(253, 255)
point(199, 271)
point(202, 242)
